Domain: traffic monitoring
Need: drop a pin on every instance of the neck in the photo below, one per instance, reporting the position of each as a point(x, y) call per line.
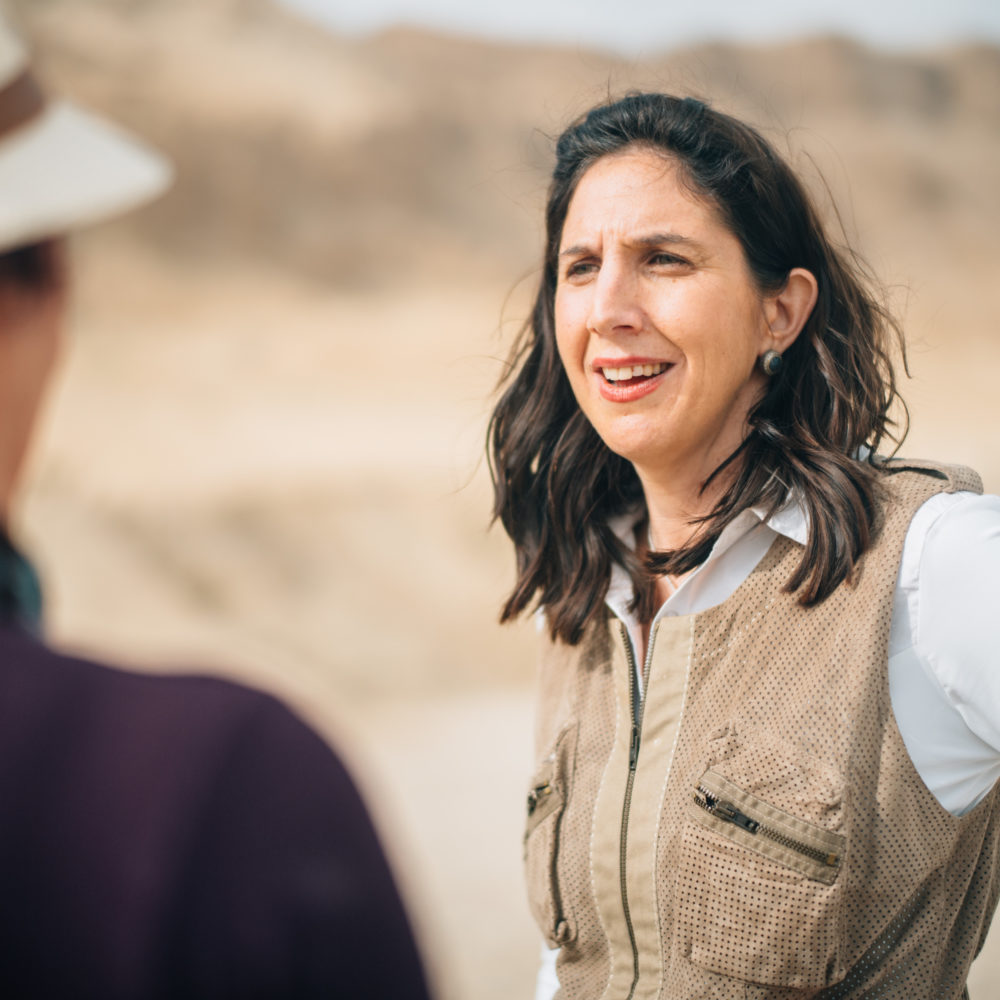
point(674, 500)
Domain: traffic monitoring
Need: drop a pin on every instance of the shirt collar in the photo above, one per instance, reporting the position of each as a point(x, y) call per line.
point(790, 520)
point(20, 593)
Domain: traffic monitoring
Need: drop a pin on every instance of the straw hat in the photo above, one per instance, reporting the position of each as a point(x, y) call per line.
point(61, 167)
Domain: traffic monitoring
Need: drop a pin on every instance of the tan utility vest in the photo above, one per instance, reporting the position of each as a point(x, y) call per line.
point(758, 829)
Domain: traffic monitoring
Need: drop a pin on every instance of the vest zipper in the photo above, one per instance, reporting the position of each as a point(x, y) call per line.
point(728, 813)
point(537, 795)
point(633, 758)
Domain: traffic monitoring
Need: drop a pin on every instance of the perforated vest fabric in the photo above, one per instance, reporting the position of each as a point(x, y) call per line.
point(841, 877)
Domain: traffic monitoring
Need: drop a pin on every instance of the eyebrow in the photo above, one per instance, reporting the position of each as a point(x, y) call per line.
point(646, 242)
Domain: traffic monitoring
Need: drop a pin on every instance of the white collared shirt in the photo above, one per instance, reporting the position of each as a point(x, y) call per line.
point(944, 645)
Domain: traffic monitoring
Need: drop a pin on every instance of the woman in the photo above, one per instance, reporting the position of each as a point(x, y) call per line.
point(769, 731)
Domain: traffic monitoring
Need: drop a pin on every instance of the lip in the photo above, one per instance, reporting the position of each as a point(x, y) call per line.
point(617, 393)
point(628, 393)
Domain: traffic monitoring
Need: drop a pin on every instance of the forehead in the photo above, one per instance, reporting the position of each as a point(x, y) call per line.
point(637, 189)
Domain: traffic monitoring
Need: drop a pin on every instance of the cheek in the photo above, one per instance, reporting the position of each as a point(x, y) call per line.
point(571, 335)
point(728, 340)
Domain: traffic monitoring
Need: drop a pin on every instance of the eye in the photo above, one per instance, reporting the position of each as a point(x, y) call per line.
point(580, 268)
point(661, 258)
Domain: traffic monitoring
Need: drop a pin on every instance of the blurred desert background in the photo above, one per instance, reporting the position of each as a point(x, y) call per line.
point(263, 456)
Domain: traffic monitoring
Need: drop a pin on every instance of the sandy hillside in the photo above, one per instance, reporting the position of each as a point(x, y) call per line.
point(264, 451)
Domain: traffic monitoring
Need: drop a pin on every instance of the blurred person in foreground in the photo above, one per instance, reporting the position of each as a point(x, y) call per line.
point(159, 836)
point(769, 729)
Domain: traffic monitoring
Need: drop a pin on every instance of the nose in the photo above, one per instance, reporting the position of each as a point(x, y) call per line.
point(615, 305)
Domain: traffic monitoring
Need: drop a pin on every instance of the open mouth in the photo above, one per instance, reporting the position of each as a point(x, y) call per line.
point(633, 374)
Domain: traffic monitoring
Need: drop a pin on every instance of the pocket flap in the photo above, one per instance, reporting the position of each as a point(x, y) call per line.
point(727, 809)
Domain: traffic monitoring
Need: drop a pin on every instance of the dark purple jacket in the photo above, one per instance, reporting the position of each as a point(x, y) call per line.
point(181, 837)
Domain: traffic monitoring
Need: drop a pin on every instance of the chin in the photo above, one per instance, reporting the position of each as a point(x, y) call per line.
point(635, 439)
point(637, 450)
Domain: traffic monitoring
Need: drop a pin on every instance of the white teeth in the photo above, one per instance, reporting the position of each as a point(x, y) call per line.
point(623, 374)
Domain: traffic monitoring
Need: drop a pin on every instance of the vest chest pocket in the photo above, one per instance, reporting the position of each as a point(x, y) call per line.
point(759, 890)
point(547, 798)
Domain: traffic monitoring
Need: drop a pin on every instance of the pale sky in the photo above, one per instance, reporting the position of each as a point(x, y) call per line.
point(636, 27)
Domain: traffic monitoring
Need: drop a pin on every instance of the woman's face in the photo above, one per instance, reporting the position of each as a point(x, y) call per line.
point(658, 321)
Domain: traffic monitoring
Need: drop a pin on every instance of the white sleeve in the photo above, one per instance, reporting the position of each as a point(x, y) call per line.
point(547, 983)
point(958, 623)
point(944, 652)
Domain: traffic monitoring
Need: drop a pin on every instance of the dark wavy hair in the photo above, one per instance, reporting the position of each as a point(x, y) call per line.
point(814, 432)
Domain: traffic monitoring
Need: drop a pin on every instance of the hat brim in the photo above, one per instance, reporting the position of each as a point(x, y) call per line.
point(66, 169)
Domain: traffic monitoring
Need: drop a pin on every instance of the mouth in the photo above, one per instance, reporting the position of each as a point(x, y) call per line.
point(628, 375)
point(627, 382)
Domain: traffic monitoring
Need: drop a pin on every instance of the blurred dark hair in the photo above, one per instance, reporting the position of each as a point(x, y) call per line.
point(557, 485)
point(35, 267)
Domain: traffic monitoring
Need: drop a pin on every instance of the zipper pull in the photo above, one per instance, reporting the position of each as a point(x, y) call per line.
point(633, 747)
point(536, 795)
point(725, 811)
point(729, 812)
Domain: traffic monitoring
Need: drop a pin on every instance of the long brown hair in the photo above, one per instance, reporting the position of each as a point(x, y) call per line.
point(557, 485)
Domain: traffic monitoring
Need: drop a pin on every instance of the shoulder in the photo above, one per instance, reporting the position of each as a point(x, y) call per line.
point(88, 711)
point(85, 705)
point(73, 721)
point(913, 472)
point(28, 663)
point(953, 538)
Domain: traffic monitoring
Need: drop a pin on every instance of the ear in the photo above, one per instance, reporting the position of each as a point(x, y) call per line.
point(787, 311)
